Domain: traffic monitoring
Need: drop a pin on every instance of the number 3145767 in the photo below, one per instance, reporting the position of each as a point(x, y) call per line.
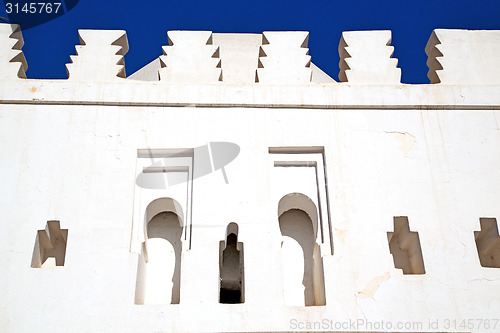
point(33, 8)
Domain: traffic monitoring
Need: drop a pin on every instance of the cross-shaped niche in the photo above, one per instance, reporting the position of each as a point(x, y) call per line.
point(50, 246)
point(405, 247)
point(488, 243)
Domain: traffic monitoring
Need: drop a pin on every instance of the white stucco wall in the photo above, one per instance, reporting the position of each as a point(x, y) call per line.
point(77, 165)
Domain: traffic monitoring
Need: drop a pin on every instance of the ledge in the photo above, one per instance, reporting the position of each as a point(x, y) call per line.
point(314, 95)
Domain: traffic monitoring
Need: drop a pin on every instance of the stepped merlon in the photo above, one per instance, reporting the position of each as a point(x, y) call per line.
point(99, 57)
point(366, 58)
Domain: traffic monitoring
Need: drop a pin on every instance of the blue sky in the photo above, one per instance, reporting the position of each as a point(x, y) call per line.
point(48, 46)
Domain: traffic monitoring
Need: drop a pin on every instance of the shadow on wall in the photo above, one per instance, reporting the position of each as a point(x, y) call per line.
point(301, 259)
point(159, 269)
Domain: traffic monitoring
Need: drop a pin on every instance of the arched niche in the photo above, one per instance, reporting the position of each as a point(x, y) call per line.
point(303, 202)
point(161, 205)
point(159, 269)
point(301, 259)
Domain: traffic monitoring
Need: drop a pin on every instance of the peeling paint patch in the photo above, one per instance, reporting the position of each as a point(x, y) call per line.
point(406, 141)
point(341, 235)
point(372, 286)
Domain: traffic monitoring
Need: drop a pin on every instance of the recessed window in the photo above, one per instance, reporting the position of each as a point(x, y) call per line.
point(159, 268)
point(300, 254)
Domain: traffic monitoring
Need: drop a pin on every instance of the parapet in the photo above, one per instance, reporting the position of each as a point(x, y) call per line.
point(455, 57)
point(464, 57)
point(272, 69)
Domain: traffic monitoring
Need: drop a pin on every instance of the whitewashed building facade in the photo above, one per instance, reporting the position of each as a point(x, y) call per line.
point(232, 186)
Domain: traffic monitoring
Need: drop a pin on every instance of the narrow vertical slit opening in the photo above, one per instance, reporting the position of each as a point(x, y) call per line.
point(231, 289)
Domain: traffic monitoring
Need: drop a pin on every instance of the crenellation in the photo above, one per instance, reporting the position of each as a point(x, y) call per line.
point(99, 57)
point(190, 57)
point(455, 57)
point(13, 62)
point(366, 58)
point(284, 58)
